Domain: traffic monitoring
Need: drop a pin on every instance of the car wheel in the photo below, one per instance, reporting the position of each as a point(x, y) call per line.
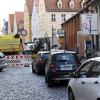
point(71, 95)
point(49, 82)
point(37, 70)
point(1, 69)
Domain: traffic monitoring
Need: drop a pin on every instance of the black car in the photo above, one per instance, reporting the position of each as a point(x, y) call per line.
point(38, 64)
point(60, 65)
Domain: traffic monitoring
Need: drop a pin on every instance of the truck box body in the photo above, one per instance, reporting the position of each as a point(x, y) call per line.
point(8, 43)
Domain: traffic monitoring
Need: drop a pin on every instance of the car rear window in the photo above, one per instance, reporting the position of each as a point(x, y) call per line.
point(65, 57)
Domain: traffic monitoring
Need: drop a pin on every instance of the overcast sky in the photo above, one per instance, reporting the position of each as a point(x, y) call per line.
point(10, 6)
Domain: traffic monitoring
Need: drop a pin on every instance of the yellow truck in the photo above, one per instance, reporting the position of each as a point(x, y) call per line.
point(9, 43)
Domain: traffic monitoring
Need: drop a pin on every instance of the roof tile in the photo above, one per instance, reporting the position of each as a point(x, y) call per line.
point(51, 5)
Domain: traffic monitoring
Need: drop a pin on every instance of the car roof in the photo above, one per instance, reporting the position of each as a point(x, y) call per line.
point(61, 51)
point(94, 59)
point(41, 52)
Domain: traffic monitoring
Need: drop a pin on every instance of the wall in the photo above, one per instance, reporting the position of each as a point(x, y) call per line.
point(26, 23)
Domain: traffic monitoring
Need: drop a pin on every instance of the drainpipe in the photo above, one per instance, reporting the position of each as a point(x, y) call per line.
point(30, 30)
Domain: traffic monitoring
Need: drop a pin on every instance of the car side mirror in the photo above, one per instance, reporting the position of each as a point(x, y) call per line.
point(73, 75)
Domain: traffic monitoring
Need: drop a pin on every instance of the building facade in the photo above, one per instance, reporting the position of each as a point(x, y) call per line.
point(18, 21)
point(73, 29)
point(51, 14)
point(27, 19)
point(11, 24)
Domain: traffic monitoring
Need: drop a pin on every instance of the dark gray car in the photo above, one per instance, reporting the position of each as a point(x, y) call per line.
point(60, 65)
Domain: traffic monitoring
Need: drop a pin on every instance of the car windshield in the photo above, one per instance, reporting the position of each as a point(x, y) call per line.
point(28, 52)
point(45, 55)
point(65, 57)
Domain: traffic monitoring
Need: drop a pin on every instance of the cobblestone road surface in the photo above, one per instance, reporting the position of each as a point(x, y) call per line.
point(21, 84)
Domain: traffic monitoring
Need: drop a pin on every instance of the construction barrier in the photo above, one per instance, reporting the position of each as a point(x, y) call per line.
point(19, 60)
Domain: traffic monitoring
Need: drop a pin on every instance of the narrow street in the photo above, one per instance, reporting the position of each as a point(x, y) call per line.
point(20, 83)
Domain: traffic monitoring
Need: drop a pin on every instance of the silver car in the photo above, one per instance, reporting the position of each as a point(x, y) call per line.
point(3, 63)
point(85, 82)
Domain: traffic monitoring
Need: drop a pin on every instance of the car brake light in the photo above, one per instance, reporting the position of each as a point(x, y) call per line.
point(52, 66)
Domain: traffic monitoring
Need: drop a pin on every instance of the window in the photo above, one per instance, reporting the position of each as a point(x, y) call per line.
point(71, 4)
point(63, 17)
point(64, 57)
point(95, 71)
point(53, 17)
point(59, 3)
point(85, 69)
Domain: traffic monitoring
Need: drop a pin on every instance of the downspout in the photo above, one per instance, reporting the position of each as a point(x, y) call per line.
point(30, 30)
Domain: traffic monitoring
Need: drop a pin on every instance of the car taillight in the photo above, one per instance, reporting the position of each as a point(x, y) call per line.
point(52, 66)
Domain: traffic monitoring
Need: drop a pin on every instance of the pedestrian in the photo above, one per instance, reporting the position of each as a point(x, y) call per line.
point(88, 52)
point(76, 49)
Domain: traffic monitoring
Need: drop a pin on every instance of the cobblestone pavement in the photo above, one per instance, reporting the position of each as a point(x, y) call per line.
point(21, 84)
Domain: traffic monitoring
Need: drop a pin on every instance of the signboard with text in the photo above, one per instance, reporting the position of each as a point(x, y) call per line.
point(89, 23)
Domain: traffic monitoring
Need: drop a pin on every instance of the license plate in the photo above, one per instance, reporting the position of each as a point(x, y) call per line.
point(64, 67)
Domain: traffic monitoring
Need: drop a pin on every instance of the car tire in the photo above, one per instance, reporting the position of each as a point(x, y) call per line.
point(71, 95)
point(1, 69)
point(37, 70)
point(49, 82)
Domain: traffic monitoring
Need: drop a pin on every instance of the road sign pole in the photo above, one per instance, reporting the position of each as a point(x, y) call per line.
point(91, 37)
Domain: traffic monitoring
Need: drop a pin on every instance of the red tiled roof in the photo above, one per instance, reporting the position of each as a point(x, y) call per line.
point(51, 5)
point(30, 6)
point(19, 17)
point(11, 20)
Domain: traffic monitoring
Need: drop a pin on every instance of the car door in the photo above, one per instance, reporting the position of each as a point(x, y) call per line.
point(93, 82)
point(80, 85)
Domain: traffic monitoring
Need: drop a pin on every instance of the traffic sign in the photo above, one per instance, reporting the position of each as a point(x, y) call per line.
point(89, 23)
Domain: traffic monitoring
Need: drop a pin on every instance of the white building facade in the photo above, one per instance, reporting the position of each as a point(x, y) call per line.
point(49, 15)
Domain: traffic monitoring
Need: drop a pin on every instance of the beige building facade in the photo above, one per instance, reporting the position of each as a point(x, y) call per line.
point(27, 19)
point(52, 14)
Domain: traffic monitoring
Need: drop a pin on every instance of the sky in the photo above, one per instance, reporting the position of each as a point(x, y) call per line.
point(10, 6)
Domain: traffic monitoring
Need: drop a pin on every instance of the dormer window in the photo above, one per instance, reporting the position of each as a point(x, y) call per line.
point(82, 3)
point(71, 4)
point(59, 3)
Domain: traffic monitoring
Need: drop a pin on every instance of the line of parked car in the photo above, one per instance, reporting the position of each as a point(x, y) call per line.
point(55, 64)
point(83, 79)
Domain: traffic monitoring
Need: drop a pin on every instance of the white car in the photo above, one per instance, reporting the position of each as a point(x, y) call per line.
point(3, 63)
point(85, 82)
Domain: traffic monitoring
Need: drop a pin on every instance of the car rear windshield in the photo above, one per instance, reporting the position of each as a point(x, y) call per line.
point(65, 57)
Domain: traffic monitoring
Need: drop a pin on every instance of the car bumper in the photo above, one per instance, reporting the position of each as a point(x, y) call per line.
point(3, 65)
point(59, 75)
